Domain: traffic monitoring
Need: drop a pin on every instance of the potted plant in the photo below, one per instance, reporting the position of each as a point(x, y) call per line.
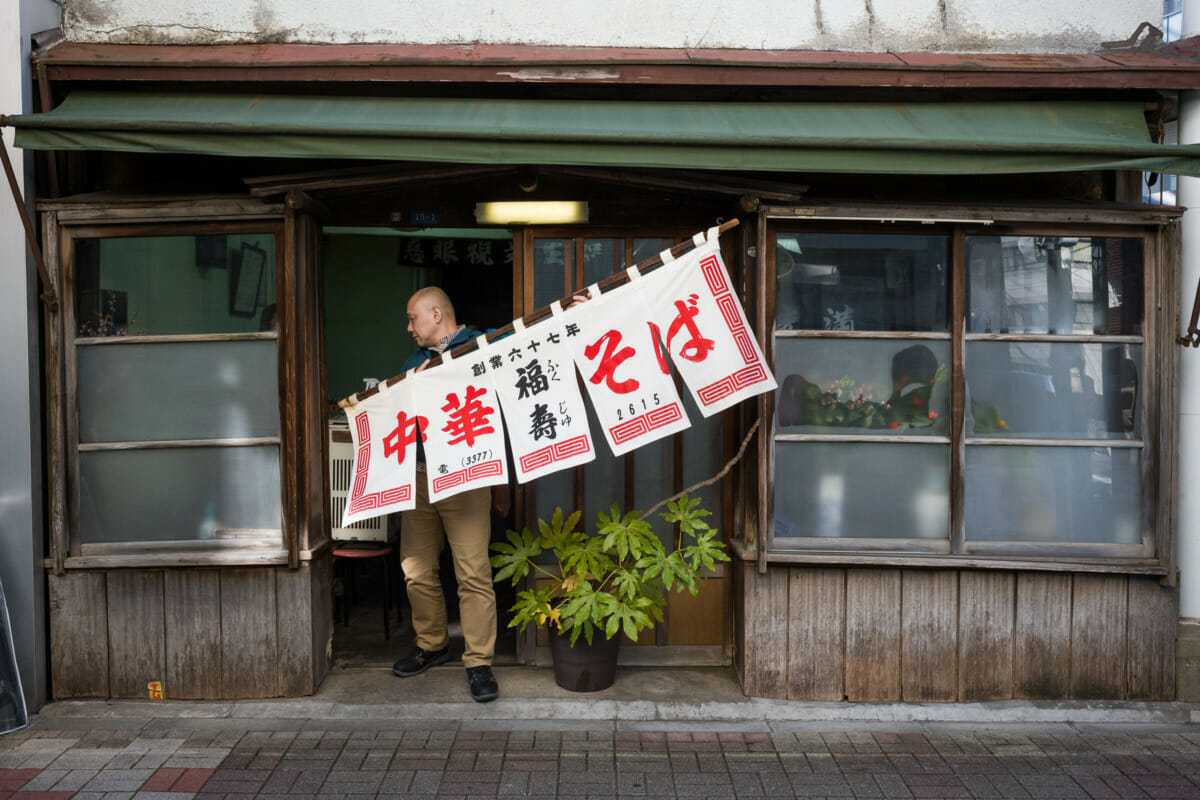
point(610, 582)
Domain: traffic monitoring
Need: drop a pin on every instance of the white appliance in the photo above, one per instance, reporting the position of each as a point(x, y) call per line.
point(341, 467)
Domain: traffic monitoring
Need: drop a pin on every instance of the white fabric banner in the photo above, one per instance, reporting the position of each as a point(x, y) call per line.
point(385, 454)
point(533, 373)
point(701, 323)
point(464, 444)
point(630, 385)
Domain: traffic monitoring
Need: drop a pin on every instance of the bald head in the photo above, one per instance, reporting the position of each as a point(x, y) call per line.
point(430, 316)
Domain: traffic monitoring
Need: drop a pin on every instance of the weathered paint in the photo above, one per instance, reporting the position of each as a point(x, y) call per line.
point(1017, 26)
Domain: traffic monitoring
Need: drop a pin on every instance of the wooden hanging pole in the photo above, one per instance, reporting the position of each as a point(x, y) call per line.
point(49, 298)
point(543, 312)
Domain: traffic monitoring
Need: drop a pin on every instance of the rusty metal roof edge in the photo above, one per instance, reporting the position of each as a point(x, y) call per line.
point(1179, 56)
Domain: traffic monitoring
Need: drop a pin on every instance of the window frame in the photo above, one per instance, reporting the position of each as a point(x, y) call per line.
point(1158, 231)
point(65, 223)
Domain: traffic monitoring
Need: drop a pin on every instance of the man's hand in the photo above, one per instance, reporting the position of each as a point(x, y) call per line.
point(580, 297)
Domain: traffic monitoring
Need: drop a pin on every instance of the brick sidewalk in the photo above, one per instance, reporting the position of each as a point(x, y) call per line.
point(181, 759)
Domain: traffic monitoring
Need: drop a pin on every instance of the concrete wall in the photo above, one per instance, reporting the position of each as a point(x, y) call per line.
point(1017, 26)
point(21, 517)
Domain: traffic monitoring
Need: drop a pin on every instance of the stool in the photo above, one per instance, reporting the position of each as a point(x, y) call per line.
point(367, 550)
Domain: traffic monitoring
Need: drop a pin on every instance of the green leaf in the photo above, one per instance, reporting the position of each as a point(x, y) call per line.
point(514, 560)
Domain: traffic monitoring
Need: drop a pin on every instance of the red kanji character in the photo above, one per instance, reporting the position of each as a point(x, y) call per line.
point(467, 419)
point(697, 348)
point(404, 434)
point(610, 361)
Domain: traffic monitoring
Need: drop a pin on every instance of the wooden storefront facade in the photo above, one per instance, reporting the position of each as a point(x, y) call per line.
point(841, 587)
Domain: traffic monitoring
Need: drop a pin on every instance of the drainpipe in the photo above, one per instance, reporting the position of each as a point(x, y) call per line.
point(1188, 532)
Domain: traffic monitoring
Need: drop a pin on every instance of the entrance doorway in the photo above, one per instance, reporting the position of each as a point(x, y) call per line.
point(493, 276)
point(369, 274)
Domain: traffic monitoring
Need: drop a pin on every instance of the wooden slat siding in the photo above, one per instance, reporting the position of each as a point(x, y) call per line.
point(873, 634)
point(985, 635)
point(1098, 617)
point(1042, 636)
point(765, 633)
point(248, 635)
point(192, 623)
point(698, 620)
point(78, 635)
point(928, 636)
point(1153, 618)
point(136, 637)
point(321, 589)
point(295, 620)
point(817, 634)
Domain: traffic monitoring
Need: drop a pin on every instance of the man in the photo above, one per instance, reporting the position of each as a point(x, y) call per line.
point(463, 520)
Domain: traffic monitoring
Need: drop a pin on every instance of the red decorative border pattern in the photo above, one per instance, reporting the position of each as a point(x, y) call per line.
point(638, 426)
point(714, 276)
point(719, 390)
point(556, 452)
point(362, 461)
point(483, 469)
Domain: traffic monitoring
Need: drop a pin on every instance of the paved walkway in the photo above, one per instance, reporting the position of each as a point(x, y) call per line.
point(180, 757)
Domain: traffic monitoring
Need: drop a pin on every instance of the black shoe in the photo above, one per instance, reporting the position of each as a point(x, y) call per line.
point(483, 684)
point(420, 660)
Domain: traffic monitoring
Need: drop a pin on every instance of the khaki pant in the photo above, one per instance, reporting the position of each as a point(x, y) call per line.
point(464, 521)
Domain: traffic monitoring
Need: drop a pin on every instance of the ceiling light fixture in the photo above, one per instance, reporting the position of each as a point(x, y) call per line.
point(538, 212)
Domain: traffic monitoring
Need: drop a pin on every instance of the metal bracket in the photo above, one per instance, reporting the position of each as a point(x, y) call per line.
point(1152, 41)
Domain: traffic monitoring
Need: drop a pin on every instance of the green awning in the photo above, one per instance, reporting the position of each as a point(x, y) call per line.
point(901, 138)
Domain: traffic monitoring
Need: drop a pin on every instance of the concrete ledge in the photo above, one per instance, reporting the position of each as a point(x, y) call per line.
point(654, 697)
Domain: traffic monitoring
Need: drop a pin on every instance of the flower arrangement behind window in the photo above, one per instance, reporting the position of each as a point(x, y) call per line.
point(844, 404)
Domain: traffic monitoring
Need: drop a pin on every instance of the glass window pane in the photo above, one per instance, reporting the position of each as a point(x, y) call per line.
point(552, 258)
point(1054, 390)
point(1054, 284)
point(1053, 494)
point(159, 285)
point(861, 490)
point(860, 282)
point(648, 248)
point(178, 390)
point(179, 493)
point(862, 386)
point(601, 258)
